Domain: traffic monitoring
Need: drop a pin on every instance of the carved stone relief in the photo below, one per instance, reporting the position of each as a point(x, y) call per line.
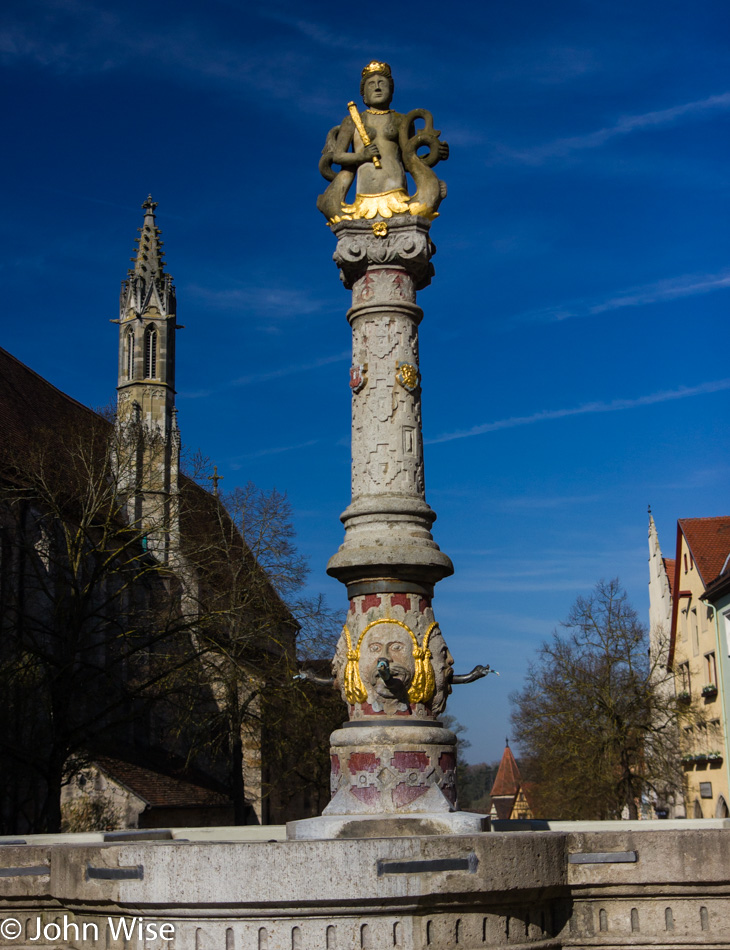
point(387, 453)
point(393, 627)
point(383, 285)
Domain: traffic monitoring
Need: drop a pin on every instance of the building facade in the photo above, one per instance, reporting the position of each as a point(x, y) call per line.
point(678, 591)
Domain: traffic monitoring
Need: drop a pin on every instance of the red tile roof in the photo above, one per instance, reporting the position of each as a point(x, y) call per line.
point(160, 790)
point(709, 543)
point(669, 568)
point(508, 778)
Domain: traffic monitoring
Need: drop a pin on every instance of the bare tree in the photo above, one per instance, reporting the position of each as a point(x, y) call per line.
point(106, 642)
point(250, 578)
point(92, 627)
point(595, 720)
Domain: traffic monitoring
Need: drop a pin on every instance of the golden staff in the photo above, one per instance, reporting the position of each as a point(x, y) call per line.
point(352, 109)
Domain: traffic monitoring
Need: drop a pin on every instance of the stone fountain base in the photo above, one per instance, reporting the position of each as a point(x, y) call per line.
point(651, 884)
point(391, 777)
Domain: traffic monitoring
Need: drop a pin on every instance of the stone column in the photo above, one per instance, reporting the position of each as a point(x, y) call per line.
point(388, 524)
point(393, 762)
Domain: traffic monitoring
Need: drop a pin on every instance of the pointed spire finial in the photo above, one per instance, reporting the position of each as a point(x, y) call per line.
point(506, 741)
point(149, 205)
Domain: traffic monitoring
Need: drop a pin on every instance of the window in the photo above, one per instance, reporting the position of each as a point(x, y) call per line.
point(714, 735)
point(710, 669)
point(726, 619)
point(684, 681)
point(129, 353)
point(150, 353)
point(695, 633)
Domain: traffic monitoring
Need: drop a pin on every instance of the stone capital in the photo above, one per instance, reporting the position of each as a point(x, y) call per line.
point(402, 241)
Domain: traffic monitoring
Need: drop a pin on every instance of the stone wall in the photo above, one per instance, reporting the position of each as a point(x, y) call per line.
point(660, 887)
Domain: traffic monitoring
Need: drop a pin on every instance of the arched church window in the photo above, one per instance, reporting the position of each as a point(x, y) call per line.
point(129, 353)
point(150, 353)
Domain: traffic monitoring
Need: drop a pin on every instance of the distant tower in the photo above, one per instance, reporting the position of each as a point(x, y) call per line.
point(661, 577)
point(149, 451)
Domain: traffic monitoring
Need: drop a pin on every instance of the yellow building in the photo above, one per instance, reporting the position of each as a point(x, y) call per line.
point(703, 546)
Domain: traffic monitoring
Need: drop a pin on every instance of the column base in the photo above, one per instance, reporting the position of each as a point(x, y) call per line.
point(387, 826)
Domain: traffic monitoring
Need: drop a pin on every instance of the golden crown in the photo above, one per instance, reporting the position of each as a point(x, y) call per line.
point(376, 67)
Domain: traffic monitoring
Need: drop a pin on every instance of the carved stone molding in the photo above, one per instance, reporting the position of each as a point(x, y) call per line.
point(407, 245)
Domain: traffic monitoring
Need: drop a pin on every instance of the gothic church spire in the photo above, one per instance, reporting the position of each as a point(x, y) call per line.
point(147, 419)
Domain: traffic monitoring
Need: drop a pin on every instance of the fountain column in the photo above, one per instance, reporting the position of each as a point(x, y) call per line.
point(393, 761)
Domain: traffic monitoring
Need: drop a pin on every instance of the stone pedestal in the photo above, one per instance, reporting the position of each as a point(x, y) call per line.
point(391, 777)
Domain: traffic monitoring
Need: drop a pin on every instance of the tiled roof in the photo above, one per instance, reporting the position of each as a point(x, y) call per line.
point(28, 402)
point(709, 543)
point(160, 790)
point(508, 778)
point(669, 568)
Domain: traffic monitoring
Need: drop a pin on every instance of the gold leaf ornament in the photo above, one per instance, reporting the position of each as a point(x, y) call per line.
point(407, 376)
point(423, 686)
point(355, 692)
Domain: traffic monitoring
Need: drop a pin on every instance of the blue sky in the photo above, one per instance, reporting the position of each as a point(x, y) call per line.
point(574, 343)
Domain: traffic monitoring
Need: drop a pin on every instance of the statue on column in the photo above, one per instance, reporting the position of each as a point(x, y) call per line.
point(393, 757)
point(376, 148)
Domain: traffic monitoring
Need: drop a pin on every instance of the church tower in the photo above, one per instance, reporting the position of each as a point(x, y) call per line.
point(149, 438)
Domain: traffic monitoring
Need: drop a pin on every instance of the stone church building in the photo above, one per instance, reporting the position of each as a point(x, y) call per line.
point(117, 609)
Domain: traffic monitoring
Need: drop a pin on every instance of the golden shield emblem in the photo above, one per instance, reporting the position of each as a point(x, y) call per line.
point(407, 375)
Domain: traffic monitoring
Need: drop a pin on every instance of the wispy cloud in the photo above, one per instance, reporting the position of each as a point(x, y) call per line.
point(563, 147)
point(550, 66)
point(275, 450)
point(77, 37)
point(324, 35)
point(264, 301)
point(589, 408)
point(291, 369)
point(252, 378)
point(553, 569)
point(547, 502)
point(673, 288)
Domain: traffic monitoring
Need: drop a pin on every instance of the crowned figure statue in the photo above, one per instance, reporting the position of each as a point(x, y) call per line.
point(376, 148)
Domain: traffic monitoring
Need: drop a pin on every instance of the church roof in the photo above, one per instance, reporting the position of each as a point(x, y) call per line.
point(709, 543)
point(28, 402)
point(30, 405)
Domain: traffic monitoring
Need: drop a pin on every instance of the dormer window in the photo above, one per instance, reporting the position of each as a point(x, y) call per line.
point(150, 353)
point(129, 353)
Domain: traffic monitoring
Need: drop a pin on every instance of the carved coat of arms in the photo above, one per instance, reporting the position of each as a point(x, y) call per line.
point(358, 376)
point(407, 375)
